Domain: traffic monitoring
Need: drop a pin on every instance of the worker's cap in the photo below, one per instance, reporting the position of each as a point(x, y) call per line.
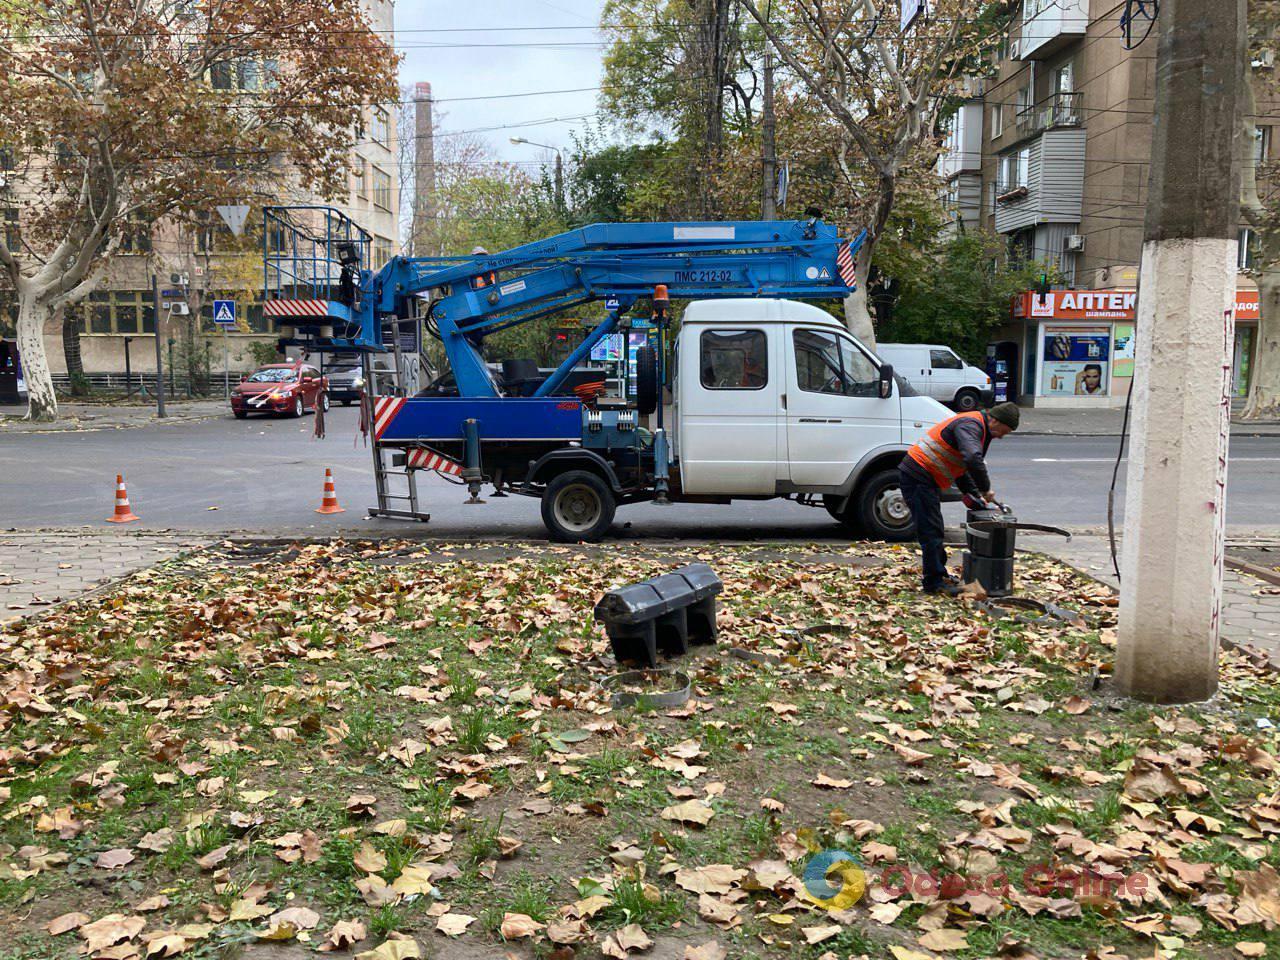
point(1006, 413)
point(478, 250)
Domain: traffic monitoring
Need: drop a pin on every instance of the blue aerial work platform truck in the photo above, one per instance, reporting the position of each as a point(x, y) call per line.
point(758, 395)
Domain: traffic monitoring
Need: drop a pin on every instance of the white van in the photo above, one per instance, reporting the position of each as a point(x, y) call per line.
point(935, 370)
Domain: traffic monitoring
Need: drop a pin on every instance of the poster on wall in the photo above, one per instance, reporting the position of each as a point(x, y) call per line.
point(1122, 358)
point(1076, 362)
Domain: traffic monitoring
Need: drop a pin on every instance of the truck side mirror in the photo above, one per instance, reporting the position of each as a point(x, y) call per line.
point(886, 381)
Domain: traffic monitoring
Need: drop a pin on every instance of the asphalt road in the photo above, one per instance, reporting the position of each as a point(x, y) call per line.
point(265, 475)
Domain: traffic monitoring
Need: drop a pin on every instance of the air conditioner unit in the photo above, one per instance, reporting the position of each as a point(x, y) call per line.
point(179, 309)
point(1074, 243)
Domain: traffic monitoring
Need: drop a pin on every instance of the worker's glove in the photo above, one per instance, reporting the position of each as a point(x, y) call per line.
point(972, 502)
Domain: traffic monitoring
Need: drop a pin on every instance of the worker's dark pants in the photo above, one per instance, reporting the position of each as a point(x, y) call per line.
point(924, 499)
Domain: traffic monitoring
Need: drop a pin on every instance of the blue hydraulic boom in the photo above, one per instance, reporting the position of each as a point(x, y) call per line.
point(318, 280)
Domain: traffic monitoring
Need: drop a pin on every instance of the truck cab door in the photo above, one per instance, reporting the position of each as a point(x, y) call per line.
point(729, 431)
point(834, 412)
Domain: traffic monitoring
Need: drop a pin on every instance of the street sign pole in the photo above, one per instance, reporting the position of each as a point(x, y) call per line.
point(224, 315)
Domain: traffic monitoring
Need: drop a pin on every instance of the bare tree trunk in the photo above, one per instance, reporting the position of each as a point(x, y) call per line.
point(1264, 392)
point(42, 404)
point(71, 350)
point(857, 311)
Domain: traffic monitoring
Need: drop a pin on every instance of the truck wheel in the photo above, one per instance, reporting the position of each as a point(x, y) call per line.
point(882, 512)
point(646, 380)
point(578, 507)
point(847, 518)
point(967, 400)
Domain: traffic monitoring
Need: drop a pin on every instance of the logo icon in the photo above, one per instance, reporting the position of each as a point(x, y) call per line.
point(834, 880)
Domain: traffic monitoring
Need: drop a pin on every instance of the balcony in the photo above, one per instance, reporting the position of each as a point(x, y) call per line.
point(1059, 110)
point(1050, 25)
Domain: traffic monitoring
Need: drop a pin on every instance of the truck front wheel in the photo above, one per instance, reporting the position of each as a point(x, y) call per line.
point(882, 512)
point(578, 507)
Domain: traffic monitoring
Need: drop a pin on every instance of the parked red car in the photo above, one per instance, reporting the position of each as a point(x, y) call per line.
point(290, 389)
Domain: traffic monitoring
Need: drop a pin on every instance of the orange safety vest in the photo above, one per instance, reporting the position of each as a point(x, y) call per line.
point(943, 461)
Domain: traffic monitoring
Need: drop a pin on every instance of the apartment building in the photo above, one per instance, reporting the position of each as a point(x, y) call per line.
point(1053, 153)
point(117, 322)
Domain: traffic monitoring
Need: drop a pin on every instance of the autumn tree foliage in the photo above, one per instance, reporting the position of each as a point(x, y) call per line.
point(885, 89)
point(116, 113)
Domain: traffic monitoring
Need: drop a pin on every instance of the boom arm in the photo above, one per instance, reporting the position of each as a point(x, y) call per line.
point(479, 295)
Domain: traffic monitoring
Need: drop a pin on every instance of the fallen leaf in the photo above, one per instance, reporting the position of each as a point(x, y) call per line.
point(396, 947)
point(711, 950)
point(629, 939)
point(115, 859)
point(945, 939)
point(68, 921)
point(814, 935)
point(213, 857)
point(346, 933)
point(691, 811)
point(454, 924)
point(109, 931)
point(516, 926)
point(369, 859)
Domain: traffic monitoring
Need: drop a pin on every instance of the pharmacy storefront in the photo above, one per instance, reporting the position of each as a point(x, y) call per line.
point(1078, 345)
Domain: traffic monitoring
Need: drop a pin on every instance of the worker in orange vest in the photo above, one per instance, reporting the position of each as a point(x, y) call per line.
point(953, 451)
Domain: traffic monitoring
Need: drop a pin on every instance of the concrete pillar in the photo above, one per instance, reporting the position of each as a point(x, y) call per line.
point(1171, 576)
point(1171, 569)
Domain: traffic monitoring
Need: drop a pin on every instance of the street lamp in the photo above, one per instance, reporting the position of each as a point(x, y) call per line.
point(559, 167)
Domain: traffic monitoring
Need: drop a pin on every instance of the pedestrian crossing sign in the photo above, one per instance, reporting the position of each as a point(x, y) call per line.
point(224, 313)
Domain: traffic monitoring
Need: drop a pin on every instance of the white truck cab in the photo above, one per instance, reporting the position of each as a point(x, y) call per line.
point(774, 398)
point(937, 371)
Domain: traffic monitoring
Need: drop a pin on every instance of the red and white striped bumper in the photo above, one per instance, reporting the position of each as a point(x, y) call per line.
point(430, 460)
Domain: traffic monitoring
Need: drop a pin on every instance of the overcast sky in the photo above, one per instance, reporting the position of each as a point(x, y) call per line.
point(484, 48)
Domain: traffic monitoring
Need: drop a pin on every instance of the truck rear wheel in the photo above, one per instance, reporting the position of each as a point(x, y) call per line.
point(578, 507)
point(881, 510)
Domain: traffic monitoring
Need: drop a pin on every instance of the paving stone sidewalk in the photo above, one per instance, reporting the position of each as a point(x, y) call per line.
point(39, 570)
point(1250, 606)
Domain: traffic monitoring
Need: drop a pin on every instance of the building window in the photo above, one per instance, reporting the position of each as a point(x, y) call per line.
point(1247, 254)
point(12, 237)
point(212, 234)
point(379, 127)
point(1014, 171)
point(7, 159)
point(381, 189)
point(136, 235)
point(997, 120)
point(118, 311)
point(243, 76)
point(734, 360)
point(1261, 143)
point(382, 251)
point(362, 178)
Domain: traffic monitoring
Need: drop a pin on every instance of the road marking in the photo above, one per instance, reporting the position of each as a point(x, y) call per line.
point(1113, 459)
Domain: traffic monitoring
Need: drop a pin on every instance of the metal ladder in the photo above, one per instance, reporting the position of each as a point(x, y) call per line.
point(390, 384)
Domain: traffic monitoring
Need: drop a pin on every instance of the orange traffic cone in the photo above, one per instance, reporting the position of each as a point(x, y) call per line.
point(123, 514)
point(329, 503)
